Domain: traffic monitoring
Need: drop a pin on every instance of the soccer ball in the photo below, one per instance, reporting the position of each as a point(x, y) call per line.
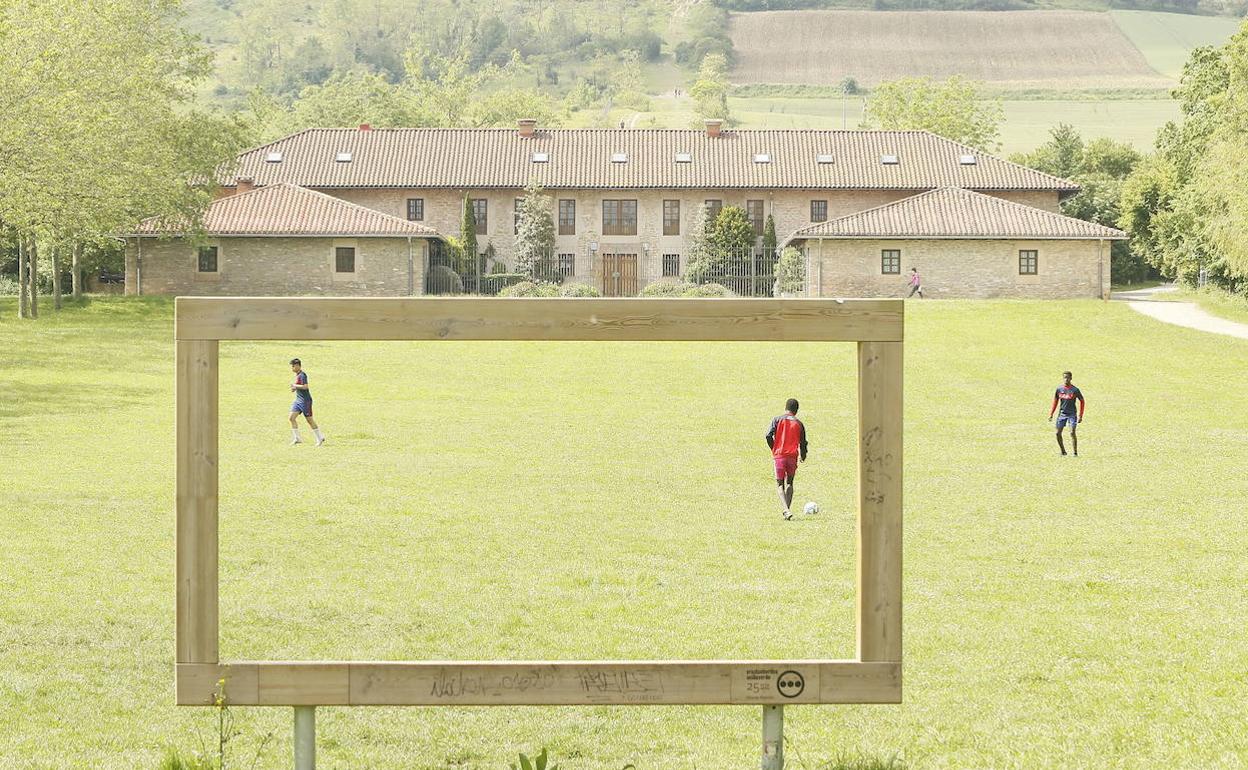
point(811, 508)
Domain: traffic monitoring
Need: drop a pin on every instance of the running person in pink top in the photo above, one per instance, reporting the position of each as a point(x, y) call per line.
point(786, 438)
point(916, 283)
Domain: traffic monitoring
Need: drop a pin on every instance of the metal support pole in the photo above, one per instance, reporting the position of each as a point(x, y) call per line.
point(305, 737)
point(773, 737)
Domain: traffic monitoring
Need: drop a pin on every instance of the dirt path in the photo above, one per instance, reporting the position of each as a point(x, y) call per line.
point(1187, 314)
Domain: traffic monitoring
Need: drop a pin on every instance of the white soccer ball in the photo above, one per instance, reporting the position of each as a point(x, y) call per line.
point(810, 508)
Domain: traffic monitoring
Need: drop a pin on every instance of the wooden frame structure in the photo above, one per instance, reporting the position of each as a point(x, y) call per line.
point(874, 677)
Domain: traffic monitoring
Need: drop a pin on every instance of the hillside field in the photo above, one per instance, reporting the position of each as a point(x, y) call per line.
point(1167, 39)
point(564, 500)
point(1015, 49)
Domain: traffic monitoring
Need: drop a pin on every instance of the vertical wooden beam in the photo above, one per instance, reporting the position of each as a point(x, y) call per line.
point(879, 500)
point(197, 501)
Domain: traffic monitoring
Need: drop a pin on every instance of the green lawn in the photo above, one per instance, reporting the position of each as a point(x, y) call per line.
point(1167, 39)
point(563, 500)
point(1027, 121)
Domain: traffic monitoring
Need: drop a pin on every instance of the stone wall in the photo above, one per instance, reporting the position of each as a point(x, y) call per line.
point(277, 266)
point(955, 269)
point(791, 209)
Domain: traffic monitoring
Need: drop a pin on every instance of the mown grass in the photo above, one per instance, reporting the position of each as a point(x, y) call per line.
point(1167, 39)
point(530, 500)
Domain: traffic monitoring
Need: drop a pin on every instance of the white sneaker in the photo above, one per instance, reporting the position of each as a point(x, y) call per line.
point(296, 441)
point(320, 441)
point(788, 515)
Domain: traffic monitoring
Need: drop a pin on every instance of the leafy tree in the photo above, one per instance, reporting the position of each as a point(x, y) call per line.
point(710, 89)
point(955, 109)
point(535, 231)
point(769, 236)
point(730, 236)
point(468, 236)
point(790, 272)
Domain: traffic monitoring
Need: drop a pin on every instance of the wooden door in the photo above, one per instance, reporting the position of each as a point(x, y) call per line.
point(619, 275)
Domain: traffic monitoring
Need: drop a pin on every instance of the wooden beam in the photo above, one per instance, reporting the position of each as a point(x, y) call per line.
point(536, 683)
point(472, 318)
point(196, 501)
point(879, 500)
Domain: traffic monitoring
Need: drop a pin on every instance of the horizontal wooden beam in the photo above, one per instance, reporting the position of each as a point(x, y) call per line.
point(474, 318)
point(538, 683)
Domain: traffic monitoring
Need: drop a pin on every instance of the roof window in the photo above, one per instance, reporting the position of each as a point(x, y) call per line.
point(619, 157)
point(273, 157)
point(968, 160)
point(890, 160)
point(762, 157)
point(343, 157)
point(541, 157)
point(824, 158)
point(684, 157)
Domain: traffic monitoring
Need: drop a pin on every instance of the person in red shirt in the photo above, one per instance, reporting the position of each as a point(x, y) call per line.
point(786, 438)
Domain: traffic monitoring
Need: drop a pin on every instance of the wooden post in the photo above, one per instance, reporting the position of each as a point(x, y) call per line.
point(879, 500)
point(197, 501)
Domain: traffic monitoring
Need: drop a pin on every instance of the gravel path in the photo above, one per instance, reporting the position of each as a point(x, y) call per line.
point(1187, 314)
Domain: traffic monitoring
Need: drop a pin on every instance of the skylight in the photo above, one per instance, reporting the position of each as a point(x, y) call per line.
point(889, 160)
point(824, 158)
point(343, 157)
point(762, 157)
point(541, 157)
point(619, 157)
point(969, 160)
point(273, 157)
point(684, 157)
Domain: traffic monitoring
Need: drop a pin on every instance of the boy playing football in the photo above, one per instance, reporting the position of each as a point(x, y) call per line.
point(786, 438)
point(302, 404)
point(1066, 395)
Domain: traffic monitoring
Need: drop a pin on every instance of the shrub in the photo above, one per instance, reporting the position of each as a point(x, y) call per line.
point(530, 289)
point(494, 283)
point(790, 272)
point(668, 287)
point(445, 280)
point(579, 290)
point(8, 286)
point(708, 290)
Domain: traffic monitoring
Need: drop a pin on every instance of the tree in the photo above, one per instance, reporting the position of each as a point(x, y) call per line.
point(710, 89)
point(535, 232)
point(790, 272)
point(955, 109)
point(769, 236)
point(468, 237)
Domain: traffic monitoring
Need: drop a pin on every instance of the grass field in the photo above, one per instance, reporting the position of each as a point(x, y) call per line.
point(1027, 121)
point(560, 500)
point(1021, 49)
point(1167, 39)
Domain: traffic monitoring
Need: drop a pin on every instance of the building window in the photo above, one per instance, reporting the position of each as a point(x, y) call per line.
point(207, 259)
point(818, 211)
point(481, 213)
point(754, 211)
point(619, 217)
point(890, 262)
point(671, 265)
point(713, 207)
point(415, 209)
point(1028, 262)
point(344, 259)
point(515, 216)
point(567, 217)
point(671, 217)
point(567, 265)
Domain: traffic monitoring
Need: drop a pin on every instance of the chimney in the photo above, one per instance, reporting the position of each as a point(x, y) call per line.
point(527, 126)
point(713, 127)
point(243, 184)
point(366, 127)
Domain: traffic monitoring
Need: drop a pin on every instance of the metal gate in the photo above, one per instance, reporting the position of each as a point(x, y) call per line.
point(618, 273)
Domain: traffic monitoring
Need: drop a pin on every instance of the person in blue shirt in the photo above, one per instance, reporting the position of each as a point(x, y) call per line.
point(302, 404)
point(1065, 396)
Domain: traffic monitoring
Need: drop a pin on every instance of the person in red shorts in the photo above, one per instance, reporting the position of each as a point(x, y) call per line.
point(786, 438)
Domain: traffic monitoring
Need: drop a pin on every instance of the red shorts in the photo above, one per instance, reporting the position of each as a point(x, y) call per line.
point(786, 467)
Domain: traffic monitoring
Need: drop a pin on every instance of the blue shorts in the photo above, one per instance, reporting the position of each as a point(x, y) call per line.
point(302, 406)
point(1067, 419)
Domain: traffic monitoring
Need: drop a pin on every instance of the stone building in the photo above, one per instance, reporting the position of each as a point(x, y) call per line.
point(623, 201)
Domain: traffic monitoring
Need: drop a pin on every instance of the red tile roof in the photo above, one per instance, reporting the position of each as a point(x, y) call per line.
point(953, 213)
point(286, 209)
point(467, 158)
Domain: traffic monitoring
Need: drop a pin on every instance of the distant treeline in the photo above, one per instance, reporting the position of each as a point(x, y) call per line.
point(1235, 8)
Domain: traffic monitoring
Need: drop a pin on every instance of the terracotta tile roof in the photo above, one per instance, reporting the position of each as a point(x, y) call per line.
point(285, 209)
point(582, 159)
point(957, 214)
